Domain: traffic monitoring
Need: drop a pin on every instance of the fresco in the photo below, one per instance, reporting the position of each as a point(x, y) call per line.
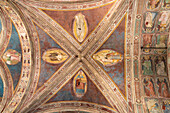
point(80, 84)
point(165, 106)
point(12, 57)
point(160, 66)
point(163, 21)
point(108, 57)
point(48, 68)
point(147, 65)
point(15, 53)
point(115, 69)
point(153, 106)
point(149, 86)
point(147, 41)
point(80, 27)
point(149, 21)
point(54, 56)
point(66, 18)
point(161, 42)
point(152, 4)
point(166, 3)
point(162, 87)
point(66, 93)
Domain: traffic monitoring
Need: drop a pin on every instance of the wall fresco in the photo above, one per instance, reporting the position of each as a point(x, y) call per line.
point(154, 63)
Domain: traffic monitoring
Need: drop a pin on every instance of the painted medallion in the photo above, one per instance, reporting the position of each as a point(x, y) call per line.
point(80, 84)
point(80, 28)
point(108, 57)
point(54, 56)
point(12, 57)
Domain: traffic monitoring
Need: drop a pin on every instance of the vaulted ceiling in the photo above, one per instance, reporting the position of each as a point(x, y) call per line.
point(84, 56)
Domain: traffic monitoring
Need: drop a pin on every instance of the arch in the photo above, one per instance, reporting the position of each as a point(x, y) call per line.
point(4, 72)
point(74, 106)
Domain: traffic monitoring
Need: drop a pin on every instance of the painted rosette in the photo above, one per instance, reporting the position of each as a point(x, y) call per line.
point(80, 28)
point(80, 84)
point(108, 57)
point(54, 56)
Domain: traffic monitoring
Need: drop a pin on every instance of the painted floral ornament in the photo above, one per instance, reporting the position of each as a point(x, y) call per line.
point(108, 57)
point(80, 28)
point(54, 56)
point(80, 84)
point(12, 57)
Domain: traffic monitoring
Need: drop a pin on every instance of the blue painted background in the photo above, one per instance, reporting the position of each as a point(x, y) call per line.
point(116, 42)
point(14, 43)
point(47, 69)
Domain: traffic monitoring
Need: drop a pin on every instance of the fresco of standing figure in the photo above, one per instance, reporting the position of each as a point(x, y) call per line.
point(149, 87)
point(162, 87)
point(160, 66)
point(147, 68)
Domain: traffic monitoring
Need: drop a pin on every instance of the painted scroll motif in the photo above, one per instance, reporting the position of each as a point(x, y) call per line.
point(80, 28)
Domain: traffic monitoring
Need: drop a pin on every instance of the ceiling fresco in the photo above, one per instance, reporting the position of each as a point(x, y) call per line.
point(84, 56)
